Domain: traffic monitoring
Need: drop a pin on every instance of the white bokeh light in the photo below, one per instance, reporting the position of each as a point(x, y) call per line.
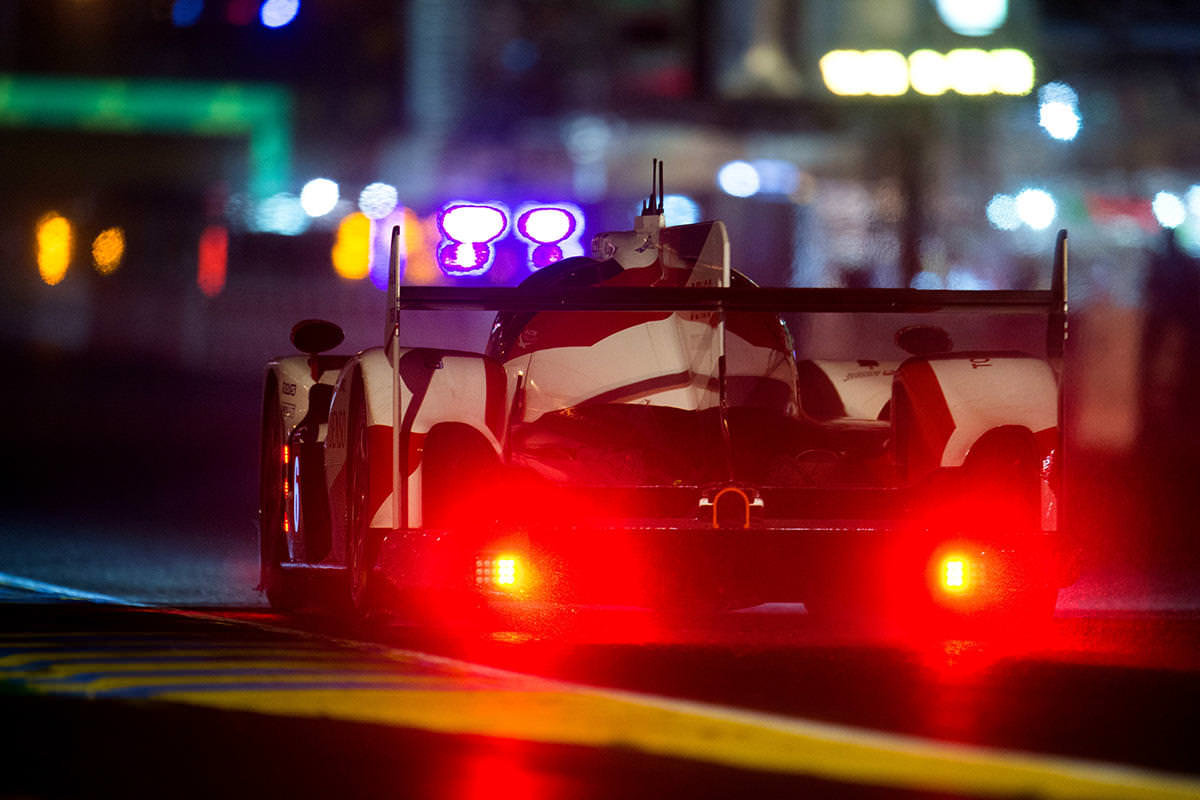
point(277, 13)
point(281, 213)
point(1060, 120)
point(1169, 209)
point(973, 17)
point(1036, 208)
point(739, 178)
point(679, 209)
point(1002, 212)
point(378, 199)
point(1058, 111)
point(319, 196)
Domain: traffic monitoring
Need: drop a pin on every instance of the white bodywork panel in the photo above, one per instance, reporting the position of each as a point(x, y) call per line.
point(864, 389)
point(987, 392)
point(458, 392)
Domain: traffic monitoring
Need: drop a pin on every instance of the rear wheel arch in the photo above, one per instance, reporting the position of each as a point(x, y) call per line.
point(283, 592)
point(459, 468)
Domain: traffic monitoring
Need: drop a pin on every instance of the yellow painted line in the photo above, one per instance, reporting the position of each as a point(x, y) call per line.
point(533, 709)
point(747, 740)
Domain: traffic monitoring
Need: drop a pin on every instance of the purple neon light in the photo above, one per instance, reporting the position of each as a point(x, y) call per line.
point(546, 225)
point(467, 229)
point(550, 230)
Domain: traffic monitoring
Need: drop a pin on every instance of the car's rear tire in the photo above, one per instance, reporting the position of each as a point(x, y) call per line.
point(283, 590)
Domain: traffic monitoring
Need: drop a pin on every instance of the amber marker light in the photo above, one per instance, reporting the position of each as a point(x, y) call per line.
point(107, 250)
point(54, 242)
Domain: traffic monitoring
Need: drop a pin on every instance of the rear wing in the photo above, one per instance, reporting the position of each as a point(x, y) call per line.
point(722, 299)
point(1052, 302)
point(713, 298)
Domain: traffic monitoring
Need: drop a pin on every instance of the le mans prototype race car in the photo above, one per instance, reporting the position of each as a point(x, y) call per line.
point(648, 427)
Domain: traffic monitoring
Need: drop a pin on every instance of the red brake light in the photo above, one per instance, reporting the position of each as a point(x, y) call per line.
point(954, 574)
point(499, 572)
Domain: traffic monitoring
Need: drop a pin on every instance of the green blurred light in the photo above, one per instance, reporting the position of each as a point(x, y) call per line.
point(260, 111)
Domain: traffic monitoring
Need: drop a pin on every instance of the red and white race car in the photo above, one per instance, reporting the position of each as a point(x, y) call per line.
point(648, 427)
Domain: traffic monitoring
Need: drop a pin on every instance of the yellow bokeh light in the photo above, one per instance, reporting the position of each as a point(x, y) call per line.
point(352, 249)
point(108, 249)
point(53, 247)
point(885, 73)
point(1012, 72)
point(970, 71)
point(419, 243)
point(966, 71)
point(841, 72)
point(928, 73)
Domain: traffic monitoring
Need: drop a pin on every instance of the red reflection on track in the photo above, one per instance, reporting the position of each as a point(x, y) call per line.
point(503, 772)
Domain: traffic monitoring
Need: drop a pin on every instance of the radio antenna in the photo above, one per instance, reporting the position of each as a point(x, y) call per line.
point(661, 191)
point(654, 203)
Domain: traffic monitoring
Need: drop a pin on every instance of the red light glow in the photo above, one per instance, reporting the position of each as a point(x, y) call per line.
point(954, 574)
point(213, 260)
point(506, 571)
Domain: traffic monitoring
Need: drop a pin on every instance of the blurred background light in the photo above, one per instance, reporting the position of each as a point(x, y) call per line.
point(776, 176)
point(1013, 72)
point(184, 13)
point(1192, 198)
point(280, 213)
point(1060, 120)
point(859, 72)
point(351, 251)
point(1058, 111)
point(319, 196)
point(108, 248)
point(519, 55)
point(378, 199)
point(928, 72)
point(679, 209)
point(277, 13)
point(970, 71)
point(1169, 209)
point(886, 72)
point(1002, 212)
point(739, 178)
point(973, 17)
point(553, 231)
point(546, 224)
point(471, 222)
point(467, 229)
point(964, 279)
point(926, 279)
point(54, 242)
point(213, 260)
point(241, 12)
point(1036, 208)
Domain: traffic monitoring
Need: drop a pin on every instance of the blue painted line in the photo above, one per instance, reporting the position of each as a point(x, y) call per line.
point(46, 663)
point(34, 642)
point(86, 677)
point(146, 692)
point(65, 592)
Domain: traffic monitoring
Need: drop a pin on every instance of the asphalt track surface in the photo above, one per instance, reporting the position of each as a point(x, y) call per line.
point(226, 698)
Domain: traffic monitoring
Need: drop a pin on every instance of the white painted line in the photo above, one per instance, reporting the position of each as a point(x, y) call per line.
point(66, 592)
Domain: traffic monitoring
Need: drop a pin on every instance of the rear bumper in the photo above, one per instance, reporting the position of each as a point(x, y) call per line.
point(648, 565)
